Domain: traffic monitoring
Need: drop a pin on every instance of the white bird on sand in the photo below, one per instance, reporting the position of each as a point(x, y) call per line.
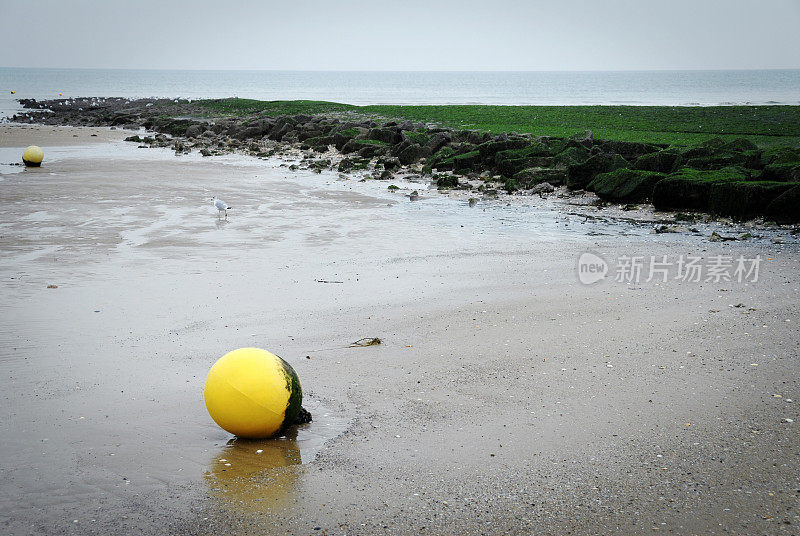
point(221, 206)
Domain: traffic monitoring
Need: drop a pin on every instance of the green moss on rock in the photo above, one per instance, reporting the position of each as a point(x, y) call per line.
point(786, 207)
point(511, 185)
point(660, 162)
point(780, 155)
point(444, 182)
point(534, 149)
point(571, 156)
point(625, 185)
point(782, 172)
point(580, 175)
point(690, 188)
point(530, 177)
point(744, 199)
point(468, 160)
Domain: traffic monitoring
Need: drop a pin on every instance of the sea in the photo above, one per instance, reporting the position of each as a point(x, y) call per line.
point(634, 88)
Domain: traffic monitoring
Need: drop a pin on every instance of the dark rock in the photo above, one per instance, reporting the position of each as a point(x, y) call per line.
point(279, 131)
point(350, 147)
point(625, 185)
point(543, 188)
point(386, 135)
point(782, 172)
point(290, 136)
point(368, 151)
point(780, 155)
point(248, 133)
point(389, 162)
point(490, 148)
point(443, 159)
point(628, 150)
point(512, 161)
point(412, 153)
point(466, 161)
point(438, 141)
point(660, 162)
point(744, 199)
point(529, 177)
point(740, 145)
point(511, 185)
point(786, 207)
point(690, 188)
point(580, 175)
point(444, 182)
point(309, 133)
point(352, 164)
point(571, 156)
point(585, 138)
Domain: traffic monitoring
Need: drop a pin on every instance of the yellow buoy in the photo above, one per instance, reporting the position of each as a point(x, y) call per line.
point(33, 156)
point(252, 393)
point(12, 91)
point(60, 94)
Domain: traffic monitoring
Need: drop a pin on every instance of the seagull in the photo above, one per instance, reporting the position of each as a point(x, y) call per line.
point(221, 206)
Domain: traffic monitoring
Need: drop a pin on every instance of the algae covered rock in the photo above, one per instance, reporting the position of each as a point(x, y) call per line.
point(786, 207)
point(780, 155)
point(782, 172)
point(511, 161)
point(529, 177)
point(744, 199)
point(411, 154)
point(740, 145)
point(691, 188)
point(660, 162)
point(580, 175)
point(511, 185)
point(439, 140)
point(571, 156)
point(444, 182)
point(625, 185)
point(467, 161)
point(585, 138)
point(491, 148)
point(629, 150)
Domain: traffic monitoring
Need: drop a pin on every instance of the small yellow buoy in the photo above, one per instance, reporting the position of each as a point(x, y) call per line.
point(252, 393)
point(60, 94)
point(12, 91)
point(33, 156)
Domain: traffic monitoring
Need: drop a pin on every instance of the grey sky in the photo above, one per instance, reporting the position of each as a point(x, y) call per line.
point(402, 35)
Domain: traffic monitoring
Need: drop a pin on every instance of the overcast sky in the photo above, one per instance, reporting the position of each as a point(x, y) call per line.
point(402, 34)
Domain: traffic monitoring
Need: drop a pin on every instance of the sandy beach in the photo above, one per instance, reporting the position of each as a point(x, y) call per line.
point(507, 396)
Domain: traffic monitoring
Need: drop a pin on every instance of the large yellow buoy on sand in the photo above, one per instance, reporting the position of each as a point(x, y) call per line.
point(253, 393)
point(33, 156)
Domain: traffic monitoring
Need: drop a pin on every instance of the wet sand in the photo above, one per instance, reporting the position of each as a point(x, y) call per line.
point(507, 397)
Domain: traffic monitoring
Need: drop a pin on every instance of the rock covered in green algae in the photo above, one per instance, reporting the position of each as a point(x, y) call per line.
point(625, 185)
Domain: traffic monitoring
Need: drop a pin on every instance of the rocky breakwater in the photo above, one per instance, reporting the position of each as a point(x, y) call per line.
point(732, 178)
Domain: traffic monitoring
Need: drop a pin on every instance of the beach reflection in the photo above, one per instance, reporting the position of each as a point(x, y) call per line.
point(255, 474)
point(260, 475)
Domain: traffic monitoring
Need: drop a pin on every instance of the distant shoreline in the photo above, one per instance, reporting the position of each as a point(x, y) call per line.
point(510, 88)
